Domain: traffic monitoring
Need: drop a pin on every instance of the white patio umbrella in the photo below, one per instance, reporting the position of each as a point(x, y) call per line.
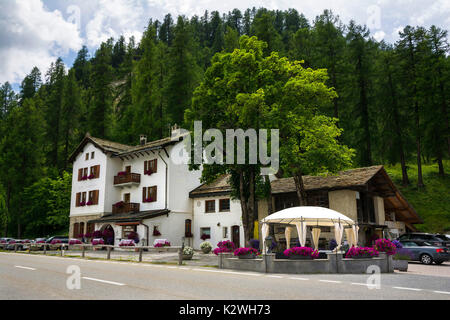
point(313, 216)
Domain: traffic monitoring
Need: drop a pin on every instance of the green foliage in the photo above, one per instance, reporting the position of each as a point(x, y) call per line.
point(431, 202)
point(47, 205)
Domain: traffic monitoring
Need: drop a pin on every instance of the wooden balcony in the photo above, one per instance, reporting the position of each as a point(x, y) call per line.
point(126, 207)
point(128, 179)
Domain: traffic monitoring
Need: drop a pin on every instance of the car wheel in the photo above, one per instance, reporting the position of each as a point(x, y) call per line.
point(426, 259)
point(438, 262)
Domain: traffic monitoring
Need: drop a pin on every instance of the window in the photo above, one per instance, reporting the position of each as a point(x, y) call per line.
point(94, 172)
point(76, 230)
point(225, 232)
point(224, 205)
point(150, 166)
point(93, 198)
point(87, 156)
point(149, 194)
point(187, 228)
point(92, 154)
point(210, 206)
point(205, 233)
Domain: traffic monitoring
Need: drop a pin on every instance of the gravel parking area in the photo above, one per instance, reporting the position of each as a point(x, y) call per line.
point(442, 270)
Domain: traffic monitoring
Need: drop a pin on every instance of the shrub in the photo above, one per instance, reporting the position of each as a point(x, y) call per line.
point(333, 244)
point(403, 254)
point(385, 245)
point(224, 246)
point(74, 241)
point(126, 243)
point(302, 251)
point(97, 241)
point(188, 250)
point(361, 251)
point(254, 243)
point(205, 245)
point(398, 244)
point(245, 251)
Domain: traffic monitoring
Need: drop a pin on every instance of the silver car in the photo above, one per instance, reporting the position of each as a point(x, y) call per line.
point(425, 252)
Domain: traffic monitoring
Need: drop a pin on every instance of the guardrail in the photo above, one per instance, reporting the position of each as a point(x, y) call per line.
point(65, 246)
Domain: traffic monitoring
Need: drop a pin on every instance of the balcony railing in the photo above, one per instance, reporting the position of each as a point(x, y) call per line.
point(127, 179)
point(125, 207)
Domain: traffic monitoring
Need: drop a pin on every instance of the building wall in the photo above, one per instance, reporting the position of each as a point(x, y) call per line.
point(226, 219)
point(79, 219)
point(379, 209)
point(88, 185)
point(344, 201)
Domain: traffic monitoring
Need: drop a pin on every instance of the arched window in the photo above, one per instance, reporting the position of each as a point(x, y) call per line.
point(187, 228)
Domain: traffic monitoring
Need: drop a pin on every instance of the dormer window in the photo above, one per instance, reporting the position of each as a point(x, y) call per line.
point(87, 156)
point(92, 155)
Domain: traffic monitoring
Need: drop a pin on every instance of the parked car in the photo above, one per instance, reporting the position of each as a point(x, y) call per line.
point(4, 242)
point(62, 239)
point(423, 237)
point(425, 252)
point(445, 238)
point(13, 242)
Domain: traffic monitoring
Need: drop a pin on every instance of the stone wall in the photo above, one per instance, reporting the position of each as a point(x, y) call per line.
point(85, 219)
point(335, 263)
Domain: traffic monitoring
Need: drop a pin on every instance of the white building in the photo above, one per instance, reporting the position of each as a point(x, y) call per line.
point(131, 188)
point(142, 189)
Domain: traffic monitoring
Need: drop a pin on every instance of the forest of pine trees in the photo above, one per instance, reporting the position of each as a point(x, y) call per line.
point(392, 98)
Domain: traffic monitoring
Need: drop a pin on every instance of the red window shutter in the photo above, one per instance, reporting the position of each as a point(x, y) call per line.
point(144, 194)
point(155, 166)
point(96, 196)
point(97, 171)
point(80, 174)
point(145, 166)
point(77, 202)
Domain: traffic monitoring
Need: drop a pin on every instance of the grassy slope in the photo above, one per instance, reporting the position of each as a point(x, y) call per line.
point(431, 203)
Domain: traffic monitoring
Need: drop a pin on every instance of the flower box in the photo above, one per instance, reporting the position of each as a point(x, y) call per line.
point(127, 243)
point(91, 176)
point(82, 204)
point(148, 172)
point(246, 253)
point(401, 265)
point(385, 245)
point(361, 253)
point(301, 253)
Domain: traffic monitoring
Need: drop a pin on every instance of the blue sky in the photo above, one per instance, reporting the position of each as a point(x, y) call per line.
point(36, 32)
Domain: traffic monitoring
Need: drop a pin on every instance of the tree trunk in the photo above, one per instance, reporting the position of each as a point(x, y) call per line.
point(440, 165)
point(270, 209)
point(247, 204)
point(398, 132)
point(420, 183)
point(300, 188)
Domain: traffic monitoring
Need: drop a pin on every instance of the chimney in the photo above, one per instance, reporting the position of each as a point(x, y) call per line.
point(175, 131)
point(142, 139)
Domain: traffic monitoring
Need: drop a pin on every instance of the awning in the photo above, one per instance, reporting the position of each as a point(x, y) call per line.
point(311, 215)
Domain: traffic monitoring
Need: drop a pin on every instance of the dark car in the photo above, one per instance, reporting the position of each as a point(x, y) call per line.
point(59, 239)
point(420, 237)
point(15, 243)
point(445, 238)
point(425, 252)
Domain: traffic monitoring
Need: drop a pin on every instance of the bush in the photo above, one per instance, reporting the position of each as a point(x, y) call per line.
point(333, 244)
point(385, 245)
point(301, 251)
point(205, 245)
point(244, 251)
point(254, 243)
point(224, 246)
point(188, 250)
point(361, 251)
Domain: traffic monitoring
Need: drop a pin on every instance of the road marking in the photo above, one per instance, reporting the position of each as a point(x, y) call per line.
point(275, 276)
point(359, 284)
point(331, 281)
point(443, 292)
point(403, 288)
point(105, 281)
point(294, 278)
point(229, 272)
point(27, 268)
point(172, 267)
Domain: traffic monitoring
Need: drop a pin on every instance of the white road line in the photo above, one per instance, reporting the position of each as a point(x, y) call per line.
point(331, 281)
point(294, 278)
point(275, 276)
point(172, 267)
point(105, 281)
point(443, 292)
point(27, 268)
point(403, 288)
point(359, 284)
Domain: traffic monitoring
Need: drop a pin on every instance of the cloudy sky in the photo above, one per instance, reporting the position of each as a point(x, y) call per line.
point(36, 32)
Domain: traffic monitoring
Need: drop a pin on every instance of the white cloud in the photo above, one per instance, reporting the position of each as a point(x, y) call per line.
point(31, 35)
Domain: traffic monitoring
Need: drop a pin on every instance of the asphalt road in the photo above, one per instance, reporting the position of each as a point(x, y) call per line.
point(45, 277)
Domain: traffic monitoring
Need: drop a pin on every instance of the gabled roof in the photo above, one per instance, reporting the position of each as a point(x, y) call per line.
point(345, 179)
point(102, 144)
point(217, 187)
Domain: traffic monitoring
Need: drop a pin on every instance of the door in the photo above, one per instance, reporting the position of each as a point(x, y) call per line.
point(126, 198)
point(235, 237)
point(128, 169)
